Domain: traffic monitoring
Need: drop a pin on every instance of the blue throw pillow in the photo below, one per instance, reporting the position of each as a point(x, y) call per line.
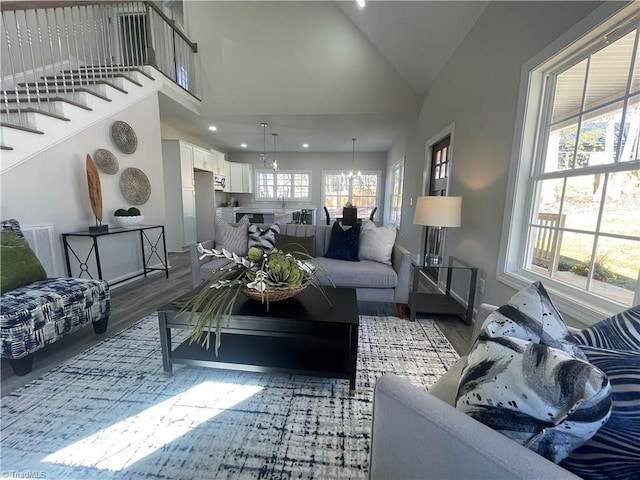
point(619, 332)
point(344, 244)
point(614, 451)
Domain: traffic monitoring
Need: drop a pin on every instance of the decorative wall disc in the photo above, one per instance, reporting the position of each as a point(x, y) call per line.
point(135, 186)
point(124, 137)
point(106, 161)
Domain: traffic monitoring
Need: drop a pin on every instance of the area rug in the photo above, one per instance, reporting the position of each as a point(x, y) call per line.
point(111, 412)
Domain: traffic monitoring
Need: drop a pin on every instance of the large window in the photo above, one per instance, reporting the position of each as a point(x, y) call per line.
point(287, 184)
point(579, 208)
point(395, 199)
point(362, 190)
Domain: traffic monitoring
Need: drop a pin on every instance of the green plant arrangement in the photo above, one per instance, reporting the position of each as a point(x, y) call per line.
point(131, 212)
point(128, 218)
point(261, 276)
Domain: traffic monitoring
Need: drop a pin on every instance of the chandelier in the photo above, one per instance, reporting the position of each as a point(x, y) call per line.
point(347, 178)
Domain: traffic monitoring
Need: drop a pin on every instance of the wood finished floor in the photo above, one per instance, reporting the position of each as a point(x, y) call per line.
point(132, 301)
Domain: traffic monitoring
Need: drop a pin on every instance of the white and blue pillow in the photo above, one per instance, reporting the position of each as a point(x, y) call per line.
point(524, 379)
point(263, 239)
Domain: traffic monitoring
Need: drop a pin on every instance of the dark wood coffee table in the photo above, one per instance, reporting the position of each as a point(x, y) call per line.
point(302, 335)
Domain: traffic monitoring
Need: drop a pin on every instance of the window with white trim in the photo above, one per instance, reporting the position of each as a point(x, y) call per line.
point(362, 190)
point(395, 199)
point(287, 184)
point(575, 220)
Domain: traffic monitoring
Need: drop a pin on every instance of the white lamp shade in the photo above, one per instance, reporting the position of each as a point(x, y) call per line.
point(438, 211)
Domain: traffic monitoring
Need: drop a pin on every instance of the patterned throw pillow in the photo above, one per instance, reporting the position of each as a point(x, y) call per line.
point(344, 243)
point(613, 345)
point(525, 380)
point(376, 243)
point(619, 332)
point(614, 451)
point(263, 239)
point(233, 238)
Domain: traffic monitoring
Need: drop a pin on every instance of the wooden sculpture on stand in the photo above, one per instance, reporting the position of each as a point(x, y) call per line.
point(95, 196)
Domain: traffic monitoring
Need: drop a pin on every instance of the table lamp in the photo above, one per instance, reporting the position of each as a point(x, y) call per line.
point(437, 212)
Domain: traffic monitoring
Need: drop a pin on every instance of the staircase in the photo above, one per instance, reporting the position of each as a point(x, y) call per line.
point(40, 114)
point(67, 67)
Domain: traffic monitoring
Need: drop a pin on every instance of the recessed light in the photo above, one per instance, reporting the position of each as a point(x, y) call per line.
point(361, 3)
point(243, 145)
point(305, 145)
point(213, 128)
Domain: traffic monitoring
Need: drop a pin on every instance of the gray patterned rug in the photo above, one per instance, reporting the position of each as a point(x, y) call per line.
point(110, 412)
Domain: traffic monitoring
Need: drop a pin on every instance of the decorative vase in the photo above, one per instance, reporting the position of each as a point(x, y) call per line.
point(129, 221)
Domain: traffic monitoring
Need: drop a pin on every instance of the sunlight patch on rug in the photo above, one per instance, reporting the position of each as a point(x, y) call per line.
point(111, 412)
point(130, 440)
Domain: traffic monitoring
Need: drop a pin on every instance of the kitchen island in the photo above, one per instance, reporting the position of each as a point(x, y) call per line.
point(265, 214)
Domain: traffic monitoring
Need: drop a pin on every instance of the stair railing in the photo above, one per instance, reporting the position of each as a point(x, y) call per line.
point(67, 47)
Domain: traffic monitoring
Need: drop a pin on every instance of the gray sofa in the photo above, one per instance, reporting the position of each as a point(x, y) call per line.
point(373, 281)
point(419, 434)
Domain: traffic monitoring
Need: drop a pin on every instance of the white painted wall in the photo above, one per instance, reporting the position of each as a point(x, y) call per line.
point(51, 188)
point(478, 91)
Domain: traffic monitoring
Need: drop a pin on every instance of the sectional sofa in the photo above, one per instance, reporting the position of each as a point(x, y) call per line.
point(373, 281)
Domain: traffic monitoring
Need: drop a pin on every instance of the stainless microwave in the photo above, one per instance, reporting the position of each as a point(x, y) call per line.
point(219, 182)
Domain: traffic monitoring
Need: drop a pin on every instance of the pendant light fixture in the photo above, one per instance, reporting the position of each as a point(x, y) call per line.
point(275, 158)
point(264, 156)
point(347, 178)
point(353, 159)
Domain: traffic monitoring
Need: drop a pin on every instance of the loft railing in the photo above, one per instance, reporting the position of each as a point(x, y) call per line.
point(53, 49)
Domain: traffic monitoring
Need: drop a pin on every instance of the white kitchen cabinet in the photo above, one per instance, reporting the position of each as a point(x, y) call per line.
point(239, 177)
point(185, 162)
point(247, 178)
point(204, 159)
point(235, 178)
point(179, 193)
point(218, 162)
point(227, 214)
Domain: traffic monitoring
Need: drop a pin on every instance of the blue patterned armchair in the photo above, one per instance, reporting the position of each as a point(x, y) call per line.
point(43, 311)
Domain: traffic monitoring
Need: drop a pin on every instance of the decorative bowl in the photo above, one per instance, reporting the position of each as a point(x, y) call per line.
point(273, 295)
point(130, 221)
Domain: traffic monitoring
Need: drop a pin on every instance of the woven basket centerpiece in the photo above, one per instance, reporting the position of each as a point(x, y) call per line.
point(273, 295)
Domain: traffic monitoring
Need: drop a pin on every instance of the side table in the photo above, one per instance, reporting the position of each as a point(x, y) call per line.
point(83, 264)
point(444, 303)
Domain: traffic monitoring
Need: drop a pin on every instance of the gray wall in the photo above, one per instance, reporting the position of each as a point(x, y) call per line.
point(478, 92)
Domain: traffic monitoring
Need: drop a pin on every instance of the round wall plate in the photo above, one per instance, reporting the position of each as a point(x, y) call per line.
point(106, 161)
point(135, 186)
point(124, 137)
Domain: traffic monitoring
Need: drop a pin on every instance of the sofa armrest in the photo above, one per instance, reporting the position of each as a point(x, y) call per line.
point(196, 279)
point(401, 263)
point(416, 435)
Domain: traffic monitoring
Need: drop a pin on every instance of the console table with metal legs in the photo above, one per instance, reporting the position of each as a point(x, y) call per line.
point(444, 303)
point(94, 251)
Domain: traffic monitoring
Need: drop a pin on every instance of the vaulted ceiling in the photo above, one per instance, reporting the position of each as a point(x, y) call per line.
point(320, 73)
